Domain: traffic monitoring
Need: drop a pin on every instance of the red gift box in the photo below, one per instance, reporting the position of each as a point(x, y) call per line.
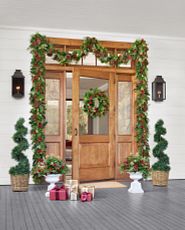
point(83, 196)
point(62, 193)
point(86, 196)
point(58, 193)
point(53, 194)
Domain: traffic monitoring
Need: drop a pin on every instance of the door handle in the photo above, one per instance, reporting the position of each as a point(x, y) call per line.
point(76, 132)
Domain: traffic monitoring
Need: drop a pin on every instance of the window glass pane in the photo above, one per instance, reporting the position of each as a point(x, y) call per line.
point(97, 125)
point(128, 65)
point(52, 106)
point(90, 59)
point(124, 108)
point(50, 60)
point(83, 120)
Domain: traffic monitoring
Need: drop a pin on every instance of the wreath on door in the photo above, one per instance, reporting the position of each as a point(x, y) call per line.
point(96, 103)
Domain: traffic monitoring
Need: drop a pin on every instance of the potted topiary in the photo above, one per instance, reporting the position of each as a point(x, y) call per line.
point(161, 168)
point(52, 168)
point(20, 172)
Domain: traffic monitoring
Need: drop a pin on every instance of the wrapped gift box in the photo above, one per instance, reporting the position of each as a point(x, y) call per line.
point(83, 196)
point(74, 196)
point(90, 189)
point(58, 193)
point(72, 185)
point(62, 193)
point(53, 194)
point(86, 196)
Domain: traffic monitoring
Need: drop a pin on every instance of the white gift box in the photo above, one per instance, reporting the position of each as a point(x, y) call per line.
point(74, 196)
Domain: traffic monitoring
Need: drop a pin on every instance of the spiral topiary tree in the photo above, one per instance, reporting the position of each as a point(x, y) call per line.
point(23, 166)
point(158, 151)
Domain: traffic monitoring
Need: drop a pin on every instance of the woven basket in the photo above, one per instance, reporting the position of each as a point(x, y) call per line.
point(160, 178)
point(20, 183)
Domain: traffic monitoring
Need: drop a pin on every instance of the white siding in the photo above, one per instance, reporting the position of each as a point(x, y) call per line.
point(166, 58)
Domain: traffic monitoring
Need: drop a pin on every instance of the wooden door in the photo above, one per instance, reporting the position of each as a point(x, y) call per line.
point(93, 139)
point(125, 120)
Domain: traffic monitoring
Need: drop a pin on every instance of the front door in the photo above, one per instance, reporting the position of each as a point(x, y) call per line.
point(93, 150)
point(93, 147)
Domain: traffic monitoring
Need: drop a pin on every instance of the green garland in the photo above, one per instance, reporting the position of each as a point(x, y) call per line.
point(40, 47)
point(96, 103)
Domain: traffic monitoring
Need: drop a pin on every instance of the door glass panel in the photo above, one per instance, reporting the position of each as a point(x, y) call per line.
point(88, 125)
point(68, 119)
point(68, 107)
point(124, 108)
point(52, 106)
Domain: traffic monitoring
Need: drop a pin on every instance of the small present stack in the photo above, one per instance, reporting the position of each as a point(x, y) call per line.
point(87, 193)
point(71, 190)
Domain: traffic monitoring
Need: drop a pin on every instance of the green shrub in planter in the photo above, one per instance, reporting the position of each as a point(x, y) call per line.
point(161, 168)
point(23, 166)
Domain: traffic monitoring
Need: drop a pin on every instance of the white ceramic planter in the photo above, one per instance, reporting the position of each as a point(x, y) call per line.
point(51, 179)
point(135, 186)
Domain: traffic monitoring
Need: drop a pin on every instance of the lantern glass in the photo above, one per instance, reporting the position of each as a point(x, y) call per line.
point(164, 91)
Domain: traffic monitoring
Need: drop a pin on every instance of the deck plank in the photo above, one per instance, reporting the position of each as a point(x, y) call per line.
point(158, 208)
point(3, 208)
point(9, 210)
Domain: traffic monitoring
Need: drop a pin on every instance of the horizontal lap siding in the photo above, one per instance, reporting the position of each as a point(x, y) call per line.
point(167, 59)
point(13, 55)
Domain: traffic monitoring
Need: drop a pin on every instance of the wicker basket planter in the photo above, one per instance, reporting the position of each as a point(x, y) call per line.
point(20, 183)
point(160, 178)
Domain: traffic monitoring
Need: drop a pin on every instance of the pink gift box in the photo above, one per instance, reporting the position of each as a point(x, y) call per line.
point(83, 197)
point(53, 194)
point(86, 196)
point(58, 193)
point(62, 193)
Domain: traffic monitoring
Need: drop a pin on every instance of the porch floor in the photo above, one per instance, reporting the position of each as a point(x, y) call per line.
point(158, 208)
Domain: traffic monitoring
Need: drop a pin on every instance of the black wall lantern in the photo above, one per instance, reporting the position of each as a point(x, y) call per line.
point(18, 84)
point(158, 89)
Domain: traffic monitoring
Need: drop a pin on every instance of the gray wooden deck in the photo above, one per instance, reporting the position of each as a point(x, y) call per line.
point(156, 209)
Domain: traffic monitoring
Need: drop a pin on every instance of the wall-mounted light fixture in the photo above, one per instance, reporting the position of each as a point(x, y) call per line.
point(158, 89)
point(18, 84)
